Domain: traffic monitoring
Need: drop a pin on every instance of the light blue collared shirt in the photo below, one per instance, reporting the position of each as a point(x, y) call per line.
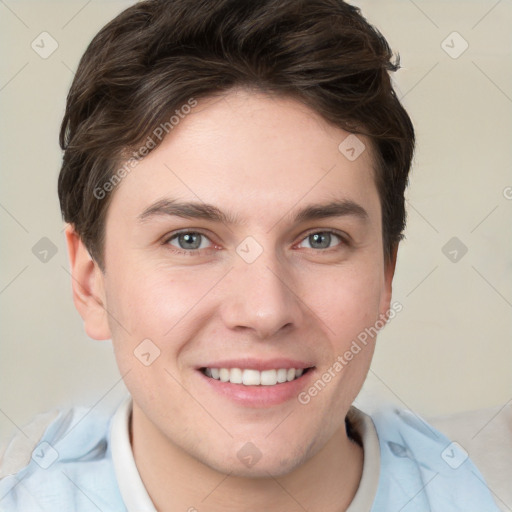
point(84, 462)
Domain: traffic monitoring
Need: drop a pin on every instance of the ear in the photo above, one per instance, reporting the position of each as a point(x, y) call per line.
point(389, 272)
point(88, 287)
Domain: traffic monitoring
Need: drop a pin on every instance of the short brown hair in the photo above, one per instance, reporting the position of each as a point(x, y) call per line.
point(158, 54)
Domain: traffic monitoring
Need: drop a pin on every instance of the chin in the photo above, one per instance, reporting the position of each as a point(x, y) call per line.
point(251, 462)
point(261, 469)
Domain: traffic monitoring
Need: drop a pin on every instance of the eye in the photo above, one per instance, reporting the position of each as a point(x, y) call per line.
point(188, 241)
point(322, 239)
point(191, 242)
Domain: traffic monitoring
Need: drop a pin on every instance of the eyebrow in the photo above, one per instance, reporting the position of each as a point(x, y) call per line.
point(193, 210)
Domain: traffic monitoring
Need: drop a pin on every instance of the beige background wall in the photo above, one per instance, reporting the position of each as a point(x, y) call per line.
point(450, 348)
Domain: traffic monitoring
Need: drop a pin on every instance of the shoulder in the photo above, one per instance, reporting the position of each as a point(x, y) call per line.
point(422, 469)
point(486, 434)
point(60, 461)
point(16, 453)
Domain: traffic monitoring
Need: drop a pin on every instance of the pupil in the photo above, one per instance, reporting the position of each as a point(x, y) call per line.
point(190, 238)
point(326, 237)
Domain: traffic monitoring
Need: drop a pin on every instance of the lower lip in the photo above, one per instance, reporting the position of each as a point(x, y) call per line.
point(260, 396)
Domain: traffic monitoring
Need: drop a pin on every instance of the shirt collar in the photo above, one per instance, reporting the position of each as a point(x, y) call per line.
point(133, 492)
point(136, 498)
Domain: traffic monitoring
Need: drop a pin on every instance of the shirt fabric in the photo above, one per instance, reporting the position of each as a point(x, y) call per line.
point(84, 462)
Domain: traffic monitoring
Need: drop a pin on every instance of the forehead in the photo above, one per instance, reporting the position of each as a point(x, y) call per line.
point(253, 154)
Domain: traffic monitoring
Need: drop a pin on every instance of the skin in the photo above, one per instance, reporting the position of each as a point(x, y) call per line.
point(261, 158)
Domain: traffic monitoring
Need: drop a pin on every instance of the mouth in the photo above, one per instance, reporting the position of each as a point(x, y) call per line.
point(253, 377)
point(255, 382)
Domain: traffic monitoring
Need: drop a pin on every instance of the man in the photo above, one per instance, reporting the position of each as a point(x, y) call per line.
point(233, 186)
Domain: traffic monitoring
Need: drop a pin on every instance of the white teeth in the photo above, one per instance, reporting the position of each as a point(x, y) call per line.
point(236, 376)
point(269, 378)
point(281, 375)
point(250, 377)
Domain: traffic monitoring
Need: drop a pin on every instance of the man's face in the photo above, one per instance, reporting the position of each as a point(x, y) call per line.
point(260, 291)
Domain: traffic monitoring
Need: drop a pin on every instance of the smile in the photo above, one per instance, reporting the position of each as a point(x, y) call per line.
point(251, 377)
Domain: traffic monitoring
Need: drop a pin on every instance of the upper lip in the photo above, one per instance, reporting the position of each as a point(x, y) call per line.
point(258, 364)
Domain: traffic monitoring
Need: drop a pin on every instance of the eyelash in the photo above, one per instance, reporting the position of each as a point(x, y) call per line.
point(195, 252)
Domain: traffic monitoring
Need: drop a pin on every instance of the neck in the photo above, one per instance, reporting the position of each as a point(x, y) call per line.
point(174, 480)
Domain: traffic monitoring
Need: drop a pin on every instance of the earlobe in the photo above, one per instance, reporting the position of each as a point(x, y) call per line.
point(390, 269)
point(87, 283)
point(389, 272)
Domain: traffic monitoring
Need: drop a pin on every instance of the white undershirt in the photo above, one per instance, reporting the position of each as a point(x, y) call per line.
point(136, 498)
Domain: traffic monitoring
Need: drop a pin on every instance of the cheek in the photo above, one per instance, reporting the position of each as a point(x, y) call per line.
point(149, 302)
point(155, 304)
point(348, 306)
point(347, 300)
point(146, 312)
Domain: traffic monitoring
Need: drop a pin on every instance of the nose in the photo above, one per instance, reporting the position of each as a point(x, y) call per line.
point(260, 297)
